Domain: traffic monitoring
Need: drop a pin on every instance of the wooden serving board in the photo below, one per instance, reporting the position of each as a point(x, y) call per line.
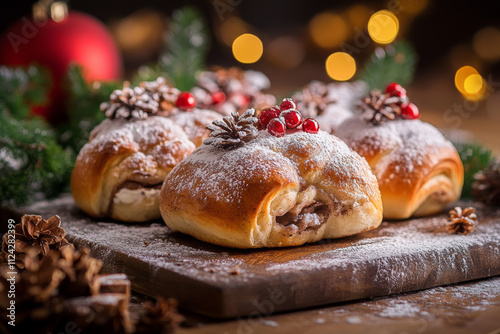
point(220, 282)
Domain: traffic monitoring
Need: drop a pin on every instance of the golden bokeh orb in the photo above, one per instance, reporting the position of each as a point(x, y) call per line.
point(340, 66)
point(328, 30)
point(247, 48)
point(383, 27)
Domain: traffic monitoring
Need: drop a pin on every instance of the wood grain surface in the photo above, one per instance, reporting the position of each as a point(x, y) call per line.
point(223, 283)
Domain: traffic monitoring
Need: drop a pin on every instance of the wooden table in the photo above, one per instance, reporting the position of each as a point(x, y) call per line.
point(465, 308)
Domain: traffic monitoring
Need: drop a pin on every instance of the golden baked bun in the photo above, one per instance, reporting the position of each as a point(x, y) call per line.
point(272, 192)
point(119, 173)
point(419, 171)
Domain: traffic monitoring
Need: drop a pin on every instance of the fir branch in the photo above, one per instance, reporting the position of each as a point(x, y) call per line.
point(20, 88)
point(394, 63)
point(185, 50)
point(32, 164)
point(475, 157)
point(83, 108)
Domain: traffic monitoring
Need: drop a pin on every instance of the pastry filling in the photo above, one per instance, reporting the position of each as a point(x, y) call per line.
point(130, 192)
point(311, 211)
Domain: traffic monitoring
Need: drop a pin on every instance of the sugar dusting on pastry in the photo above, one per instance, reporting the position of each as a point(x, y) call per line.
point(408, 143)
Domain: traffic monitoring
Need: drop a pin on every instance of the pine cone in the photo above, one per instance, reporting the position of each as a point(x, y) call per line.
point(35, 233)
point(233, 130)
point(313, 99)
point(486, 186)
point(37, 303)
point(159, 317)
point(462, 222)
point(130, 103)
point(81, 269)
point(379, 107)
point(162, 93)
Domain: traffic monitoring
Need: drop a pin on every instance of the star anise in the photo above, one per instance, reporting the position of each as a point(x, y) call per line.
point(34, 233)
point(165, 95)
point(159, 317)
point(130, 102)
point(486, 186)
point(233, 130)
point(379, 107)
point(462, 221)
point(313, 99)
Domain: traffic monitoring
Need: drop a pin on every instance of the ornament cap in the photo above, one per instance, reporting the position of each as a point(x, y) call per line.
point(57, 10)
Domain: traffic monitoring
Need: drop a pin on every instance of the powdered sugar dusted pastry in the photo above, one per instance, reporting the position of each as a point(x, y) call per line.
point(277, 187)
point(119, 173)
point(232, 90)
point(419, 171)
point(330, 104)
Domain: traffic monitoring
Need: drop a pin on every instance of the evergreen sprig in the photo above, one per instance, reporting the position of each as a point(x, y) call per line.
point(475, 157)
point(32, 164)
point(185, 50)
point(20, 88)
point(394, 63)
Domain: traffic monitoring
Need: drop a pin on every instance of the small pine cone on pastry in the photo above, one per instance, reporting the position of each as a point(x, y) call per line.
point(419, 171)
point(285, 185)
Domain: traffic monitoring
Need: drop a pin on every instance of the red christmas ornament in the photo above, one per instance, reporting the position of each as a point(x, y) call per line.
point(185, 101)
point(75, 38)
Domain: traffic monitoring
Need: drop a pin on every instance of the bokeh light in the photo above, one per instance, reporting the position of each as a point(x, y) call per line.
point(231, 28)
point(358, 15)
point(462, 74)
point(413, 7)
point(285, 52)
point(328, 30)
point(470, 83)
point(247, 48)
point(473, 84)
point(383, 27)
point(340, 66)
point(487, 43)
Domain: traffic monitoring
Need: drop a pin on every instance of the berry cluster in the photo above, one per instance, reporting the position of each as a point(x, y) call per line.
point(278, 119)
point(408, 109)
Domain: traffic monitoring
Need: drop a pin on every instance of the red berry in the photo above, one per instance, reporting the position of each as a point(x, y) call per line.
point(268, 114)
point(410, 111)
point(310, 125)
point(218, 97)
point(292, 117)
point(395, 89)
point(288, 104)
point(276, 127)
point(185, 101)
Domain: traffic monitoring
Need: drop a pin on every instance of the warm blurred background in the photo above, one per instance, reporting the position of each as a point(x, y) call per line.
point(298, 36)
